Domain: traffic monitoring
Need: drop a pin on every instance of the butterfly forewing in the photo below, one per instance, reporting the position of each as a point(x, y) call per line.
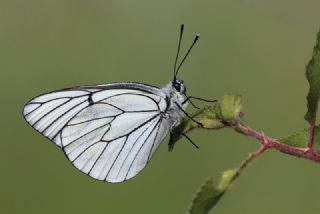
point(108, 132)
point(49, 113)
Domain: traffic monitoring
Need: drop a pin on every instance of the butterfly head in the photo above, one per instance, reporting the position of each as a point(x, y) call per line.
point(179, 86)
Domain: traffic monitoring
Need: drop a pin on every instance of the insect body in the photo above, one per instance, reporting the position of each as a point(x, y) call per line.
point(110, 131)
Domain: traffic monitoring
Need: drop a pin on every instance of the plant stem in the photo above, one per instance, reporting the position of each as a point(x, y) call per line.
point(246, 163)
point(268, 142)
point(252, 157)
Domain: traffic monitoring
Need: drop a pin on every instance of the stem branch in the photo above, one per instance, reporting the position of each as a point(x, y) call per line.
point(268, 142)
point(252, 157)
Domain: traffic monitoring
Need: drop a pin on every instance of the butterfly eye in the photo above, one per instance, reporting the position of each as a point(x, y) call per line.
point(177, 86)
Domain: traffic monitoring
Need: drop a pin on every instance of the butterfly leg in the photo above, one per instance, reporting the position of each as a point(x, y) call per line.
point(194, 105)
point(171, 143)
point(197, 122)
point(189, 139)
point(197, 98)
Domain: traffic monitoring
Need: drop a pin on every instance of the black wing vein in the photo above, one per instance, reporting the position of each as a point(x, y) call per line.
point(155, 138)
point(88, 133)
point(62, 116)
point(125, 159)
point(49, 112)
point(127, 136)
point(105, 147)
point(154, 128)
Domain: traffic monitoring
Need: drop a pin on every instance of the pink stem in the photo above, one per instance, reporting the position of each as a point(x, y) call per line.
point(250, 159)
point(268, 142)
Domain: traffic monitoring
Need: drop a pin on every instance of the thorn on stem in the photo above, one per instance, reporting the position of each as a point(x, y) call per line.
point(264, 140)
point(241, 114)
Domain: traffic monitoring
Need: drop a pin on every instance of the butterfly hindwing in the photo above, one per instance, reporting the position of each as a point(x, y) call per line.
point(116, 159)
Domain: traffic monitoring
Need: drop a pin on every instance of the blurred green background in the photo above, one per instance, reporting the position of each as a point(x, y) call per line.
point(256, 48)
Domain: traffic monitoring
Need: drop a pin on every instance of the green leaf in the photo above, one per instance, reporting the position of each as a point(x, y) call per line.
point(231, 106)
point(211, 117)
point(206, 198)
point(207, 116)
point(208, 194)
point(313, 76)
point(227, 177)
point(300, 139)
point(214, 116)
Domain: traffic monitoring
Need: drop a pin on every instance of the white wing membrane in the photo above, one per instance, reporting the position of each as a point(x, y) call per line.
point(141, 154)
point(123, 163)
point(60, 116)
point(59, 94)
point(109, 134)
point(50, 112)
point(95, 112)
point(42, 109)
point(132, 102)
point(126, 123)
point(73, 132)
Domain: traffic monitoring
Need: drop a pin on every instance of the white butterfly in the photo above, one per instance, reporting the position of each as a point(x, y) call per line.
point(110, 131)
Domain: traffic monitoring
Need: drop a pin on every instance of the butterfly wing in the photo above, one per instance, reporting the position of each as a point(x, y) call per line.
point(108, 132)
point(49, 113)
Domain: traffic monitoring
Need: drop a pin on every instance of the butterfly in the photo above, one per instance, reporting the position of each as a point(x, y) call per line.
point(111, 131)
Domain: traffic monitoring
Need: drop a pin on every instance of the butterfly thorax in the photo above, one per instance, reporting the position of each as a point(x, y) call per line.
point(174, 92)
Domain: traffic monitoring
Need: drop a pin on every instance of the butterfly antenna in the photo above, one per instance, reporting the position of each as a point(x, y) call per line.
point(193, 43)
point(177, 56)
